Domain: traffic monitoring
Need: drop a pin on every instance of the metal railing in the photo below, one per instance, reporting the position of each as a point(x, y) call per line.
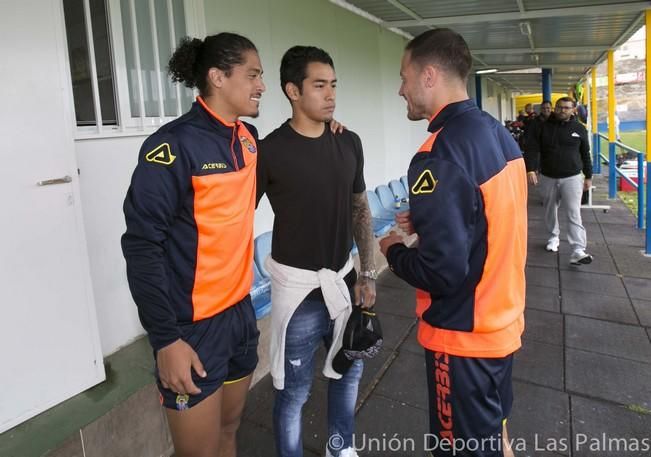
point(614, 170)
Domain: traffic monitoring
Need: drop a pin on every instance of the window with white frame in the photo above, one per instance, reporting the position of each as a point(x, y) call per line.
point(118, 52)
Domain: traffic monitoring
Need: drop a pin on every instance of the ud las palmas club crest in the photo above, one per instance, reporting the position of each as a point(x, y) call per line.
point(247, 144)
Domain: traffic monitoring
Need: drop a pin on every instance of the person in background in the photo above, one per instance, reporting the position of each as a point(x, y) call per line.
point(560, 150)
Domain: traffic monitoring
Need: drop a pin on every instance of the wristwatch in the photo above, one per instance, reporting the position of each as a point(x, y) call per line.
point(370, 274)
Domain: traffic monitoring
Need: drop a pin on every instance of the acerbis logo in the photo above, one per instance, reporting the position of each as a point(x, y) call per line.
point(161, 155)
point(425, 184)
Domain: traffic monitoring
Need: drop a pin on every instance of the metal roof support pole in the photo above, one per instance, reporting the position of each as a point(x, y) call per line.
point(478, 91)
point(612, 160)
point(546, 84)
point(647, 249)
point(596, 141)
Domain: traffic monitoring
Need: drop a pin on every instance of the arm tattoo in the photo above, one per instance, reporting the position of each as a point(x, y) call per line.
point(363, 231)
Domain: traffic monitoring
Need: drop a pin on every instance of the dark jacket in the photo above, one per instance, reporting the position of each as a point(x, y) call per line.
point(189, 217)
point(468, 199)
point(559, 149)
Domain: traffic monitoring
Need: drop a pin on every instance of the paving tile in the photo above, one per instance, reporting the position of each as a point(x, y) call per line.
point(256, 441)
point(540, 417)
point(592, 282)
point(262, 393)
point(631, 262)
point(610, 338)
point(543, 298)
point(617, 309)
point(382, 419)
point(539, 257)
point(411, 344)
point(618, 214)
point(394, 328)
point(602, 261)
point(592, 229)
point(539, 363)
point(622, 218)
point(405, 381)
point(537, 225)
point(609, 378)
point(588, 215)
point(545, 277)
point(137, 422)
point(593, 420)
point(643, 310)
point(388, 279)
point(543, 327)
point(399, 301)
point(537, 237)
point(638, 288)
point(618, 234)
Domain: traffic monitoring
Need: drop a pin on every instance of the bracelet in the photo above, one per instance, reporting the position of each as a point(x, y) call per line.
point(370, 274)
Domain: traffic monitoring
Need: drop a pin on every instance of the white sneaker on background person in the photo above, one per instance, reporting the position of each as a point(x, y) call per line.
point(552, 245)
point(580, 257)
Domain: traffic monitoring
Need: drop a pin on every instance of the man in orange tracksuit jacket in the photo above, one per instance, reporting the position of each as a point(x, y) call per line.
point(468, 199)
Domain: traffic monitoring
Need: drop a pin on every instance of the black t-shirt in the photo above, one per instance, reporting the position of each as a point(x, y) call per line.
point(310, 183)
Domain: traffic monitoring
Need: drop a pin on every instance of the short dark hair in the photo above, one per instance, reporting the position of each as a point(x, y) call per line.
point(444, 48)
point(566, 99)
point(293, 66)
point(193, 58)
point(546, 101)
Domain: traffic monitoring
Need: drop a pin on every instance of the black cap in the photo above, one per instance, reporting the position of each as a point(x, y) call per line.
point(362, 339)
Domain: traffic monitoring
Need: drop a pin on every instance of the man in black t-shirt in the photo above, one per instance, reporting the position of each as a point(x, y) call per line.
point(315, 183)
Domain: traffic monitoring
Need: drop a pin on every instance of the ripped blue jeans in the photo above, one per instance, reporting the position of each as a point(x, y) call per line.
point(309, 327)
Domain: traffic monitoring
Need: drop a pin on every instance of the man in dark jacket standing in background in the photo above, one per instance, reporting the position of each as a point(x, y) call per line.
point(559, 148)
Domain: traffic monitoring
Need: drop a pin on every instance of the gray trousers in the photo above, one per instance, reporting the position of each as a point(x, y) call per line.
point(569, 192)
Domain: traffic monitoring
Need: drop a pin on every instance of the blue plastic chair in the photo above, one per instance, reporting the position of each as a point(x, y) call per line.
point(398, 190)
point(377, 210)
point(405, 184)
point(383, 220)
point(388, 200)
point(260, 293)
point(381, 227)
point(262, 248)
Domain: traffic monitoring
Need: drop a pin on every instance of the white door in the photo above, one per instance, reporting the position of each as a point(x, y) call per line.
point(49, 343)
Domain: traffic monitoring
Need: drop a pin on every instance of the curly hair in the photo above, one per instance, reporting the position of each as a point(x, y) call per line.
point(194, 57)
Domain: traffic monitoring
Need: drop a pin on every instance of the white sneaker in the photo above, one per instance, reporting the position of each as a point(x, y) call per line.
point(580, 257)
point(348, 452)
point(552, 245)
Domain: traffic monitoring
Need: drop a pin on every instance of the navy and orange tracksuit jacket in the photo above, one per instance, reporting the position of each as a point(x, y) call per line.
point(189, 216)
point(468, 201)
